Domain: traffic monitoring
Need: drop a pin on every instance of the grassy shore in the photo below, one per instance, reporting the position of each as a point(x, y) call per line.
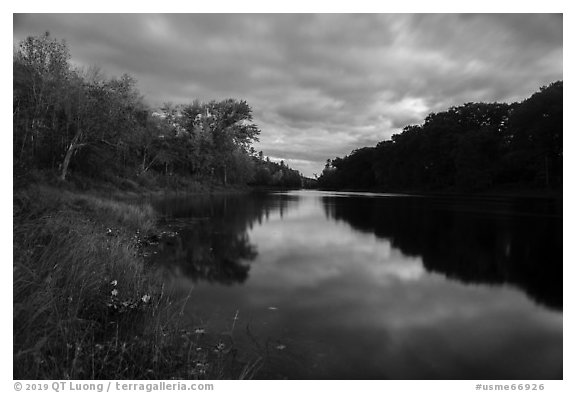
point(87, 305)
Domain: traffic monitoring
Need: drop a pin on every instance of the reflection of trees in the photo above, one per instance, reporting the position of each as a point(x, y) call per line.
point(490, 241)
point(212, 242)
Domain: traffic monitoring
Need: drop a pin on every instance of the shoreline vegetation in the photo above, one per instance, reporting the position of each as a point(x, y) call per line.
point(87, 305)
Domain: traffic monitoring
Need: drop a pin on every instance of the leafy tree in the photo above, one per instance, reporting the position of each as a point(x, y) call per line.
point(71, 120)
point(472, 147)
point(218, 136)
point(41, 79)
point(534, 138)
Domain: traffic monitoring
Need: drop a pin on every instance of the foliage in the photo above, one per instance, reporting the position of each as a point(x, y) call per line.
point(273, 174)
point(473, 147)
point(79, 123)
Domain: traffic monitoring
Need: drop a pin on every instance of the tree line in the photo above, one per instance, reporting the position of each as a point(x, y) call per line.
point(472, 147)
point(75, 122)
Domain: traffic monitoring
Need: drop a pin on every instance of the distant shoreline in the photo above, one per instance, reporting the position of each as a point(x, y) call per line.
point(534, 194)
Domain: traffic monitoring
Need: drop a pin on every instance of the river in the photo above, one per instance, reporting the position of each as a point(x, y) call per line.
point(333, 285)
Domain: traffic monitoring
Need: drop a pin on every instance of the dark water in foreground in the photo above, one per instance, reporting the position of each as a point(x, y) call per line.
point(364, 286)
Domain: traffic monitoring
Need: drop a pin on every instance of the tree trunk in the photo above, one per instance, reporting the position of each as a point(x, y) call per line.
point(143, 163)
point(73, 146)
point(66, 162)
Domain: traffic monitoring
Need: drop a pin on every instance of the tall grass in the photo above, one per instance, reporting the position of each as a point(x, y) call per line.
point(86, 306)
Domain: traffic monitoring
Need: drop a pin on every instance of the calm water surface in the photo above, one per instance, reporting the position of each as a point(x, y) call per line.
point(373, 286)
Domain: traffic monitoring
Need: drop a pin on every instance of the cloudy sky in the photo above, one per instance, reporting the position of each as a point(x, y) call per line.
point(320, 85)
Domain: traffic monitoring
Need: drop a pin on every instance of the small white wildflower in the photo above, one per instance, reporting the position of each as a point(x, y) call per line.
point(280, 347)
point(146, 298)
point(114, 292)
point(114, 282)
point(199, 331)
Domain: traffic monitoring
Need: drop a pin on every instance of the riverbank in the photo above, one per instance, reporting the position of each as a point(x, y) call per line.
point(501, 192)
point(88, 306)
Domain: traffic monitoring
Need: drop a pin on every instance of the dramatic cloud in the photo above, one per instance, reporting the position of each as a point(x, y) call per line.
point(320, 85)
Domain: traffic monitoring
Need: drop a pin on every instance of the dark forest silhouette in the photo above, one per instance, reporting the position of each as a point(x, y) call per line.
point(473, 147)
